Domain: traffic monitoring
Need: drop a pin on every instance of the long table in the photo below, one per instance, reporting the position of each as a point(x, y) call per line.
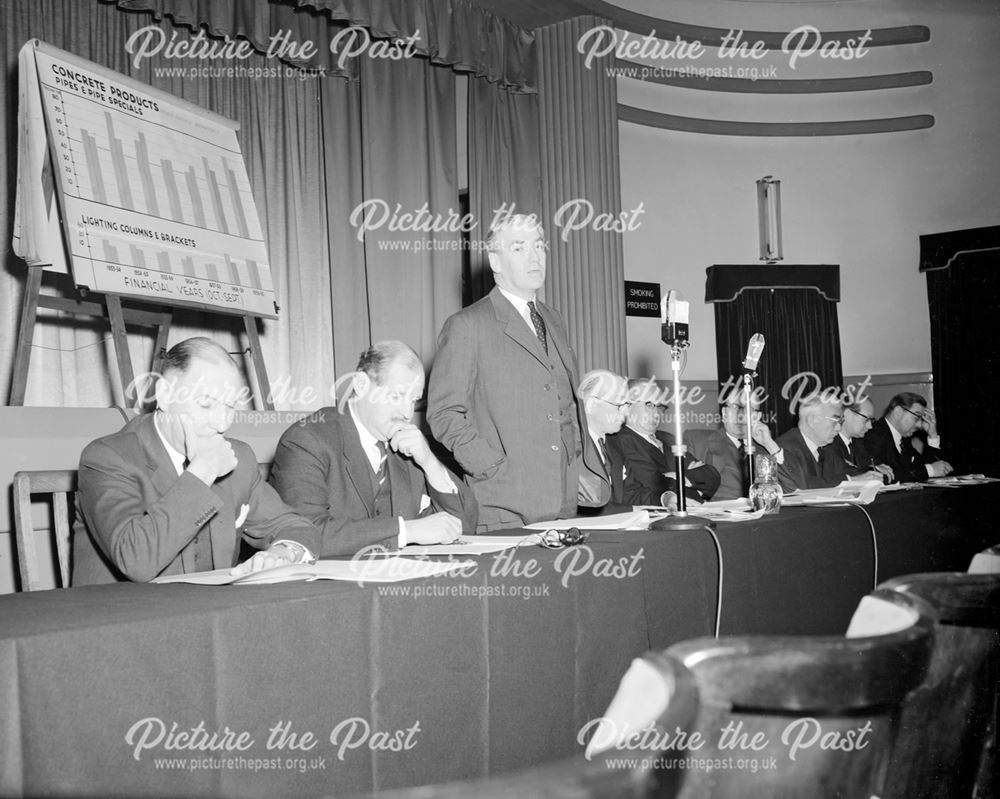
point(332, 688)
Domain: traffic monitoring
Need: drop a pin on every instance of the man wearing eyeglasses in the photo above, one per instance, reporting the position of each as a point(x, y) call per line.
point(644, 456)
point(846, 456)
point(723, 449)
point(889, 440)
point(800, 461)
point(502, 394)
point(604, 396)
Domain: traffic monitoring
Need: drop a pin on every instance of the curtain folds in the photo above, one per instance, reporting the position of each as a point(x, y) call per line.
point(963, 300)
point(581, 180)
point(504, 167)
point(449, 32)
point(802, 336)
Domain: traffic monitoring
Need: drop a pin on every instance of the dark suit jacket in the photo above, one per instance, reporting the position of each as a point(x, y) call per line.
point(907, 464)
point(492, 401)
point(717, 450)
point(137, 519)
point(841, 461)
point(640, 469)
point(321, 470)
point(800, 469)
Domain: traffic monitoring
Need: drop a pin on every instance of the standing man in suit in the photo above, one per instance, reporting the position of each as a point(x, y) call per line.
point(648, 466)
point(723, 449)
point(502, 391)
point(889, 440)
point(169, 494)
point(365, 475)
point(800, 458)
point(846, 456)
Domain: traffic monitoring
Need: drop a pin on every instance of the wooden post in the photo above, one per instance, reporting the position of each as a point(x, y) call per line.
point(264, 394)
point(25, 334)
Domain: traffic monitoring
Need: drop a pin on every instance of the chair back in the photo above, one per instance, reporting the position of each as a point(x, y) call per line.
point(802, 716)
point(61, 484)
point(948, 734)
point(626, 773)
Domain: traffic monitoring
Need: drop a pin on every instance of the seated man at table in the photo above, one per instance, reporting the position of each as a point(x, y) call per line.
point(890, 440)
point(364, 473)
point(846, 456)
point(169, 494)
point(723, 449)
point(800, 458)
point(603, 396)
point(648, 465)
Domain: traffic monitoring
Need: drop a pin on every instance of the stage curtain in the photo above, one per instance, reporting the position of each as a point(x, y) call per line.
point(802, 338)
point(963, 300)
point(504, 168)
point(454, 33)
point(315, 148)
point(578, 111)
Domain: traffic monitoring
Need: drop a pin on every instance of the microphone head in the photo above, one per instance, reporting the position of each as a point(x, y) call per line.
point(754, 350)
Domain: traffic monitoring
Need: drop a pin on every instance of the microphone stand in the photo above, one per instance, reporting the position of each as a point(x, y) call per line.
point(748, 377)
point(679, 520)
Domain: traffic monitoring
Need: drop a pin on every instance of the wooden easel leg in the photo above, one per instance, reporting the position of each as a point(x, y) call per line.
point(121, 348)
point(25, 335)
point(264, 397)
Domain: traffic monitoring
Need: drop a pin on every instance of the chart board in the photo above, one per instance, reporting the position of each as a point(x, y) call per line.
point(155, 198)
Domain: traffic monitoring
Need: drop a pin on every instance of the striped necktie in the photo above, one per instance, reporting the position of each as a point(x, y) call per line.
point(383, 458)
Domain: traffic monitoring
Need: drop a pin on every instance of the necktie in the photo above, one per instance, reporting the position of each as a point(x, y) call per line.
point(604, 456)
point(381, 473)
point(539, 324)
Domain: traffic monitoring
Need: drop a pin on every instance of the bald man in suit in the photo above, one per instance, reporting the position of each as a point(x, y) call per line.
point(170, 494)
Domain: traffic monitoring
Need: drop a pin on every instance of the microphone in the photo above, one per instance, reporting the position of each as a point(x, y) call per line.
point(754, 349)
point(674, 319)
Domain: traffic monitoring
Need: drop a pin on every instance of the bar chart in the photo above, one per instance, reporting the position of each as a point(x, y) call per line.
point(156, 198)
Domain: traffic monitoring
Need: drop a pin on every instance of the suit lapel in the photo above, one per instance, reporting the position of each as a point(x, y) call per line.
point(359, 468)
point(515, 327)
point(221, 528)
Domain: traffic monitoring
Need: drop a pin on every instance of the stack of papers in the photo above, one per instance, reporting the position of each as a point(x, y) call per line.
point(956, 480)
point(847, 493)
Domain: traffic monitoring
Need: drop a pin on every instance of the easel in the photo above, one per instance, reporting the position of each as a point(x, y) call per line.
point(118, 316)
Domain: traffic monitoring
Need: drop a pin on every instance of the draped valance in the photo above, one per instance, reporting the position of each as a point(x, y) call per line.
point(725, 282)
point(455, 33)
point(939, 250)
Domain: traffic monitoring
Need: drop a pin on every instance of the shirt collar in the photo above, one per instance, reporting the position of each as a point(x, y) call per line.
point(519, 303)
point(652, 439)
point(812, 447)
point(736, 441)
point(368, 442)
point(845, 439)
point(176, 458)
point(897, 437)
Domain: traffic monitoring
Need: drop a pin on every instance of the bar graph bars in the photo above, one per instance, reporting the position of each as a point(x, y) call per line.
point(157, 199)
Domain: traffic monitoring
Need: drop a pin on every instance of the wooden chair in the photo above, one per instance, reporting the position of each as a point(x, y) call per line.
point(601, 776)
point(61, 484)
point(804, 716)
point(948, 732)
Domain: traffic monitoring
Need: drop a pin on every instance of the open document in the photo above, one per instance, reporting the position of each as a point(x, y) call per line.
point(378, 569)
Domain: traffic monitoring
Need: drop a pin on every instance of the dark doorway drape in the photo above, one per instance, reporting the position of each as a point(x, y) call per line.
point(800, 328)
point(963, 293)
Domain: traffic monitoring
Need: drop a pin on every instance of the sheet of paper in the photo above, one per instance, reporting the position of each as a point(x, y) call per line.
point(389, 569)
point(848, 493)
point(633, 520)
point(472, 545)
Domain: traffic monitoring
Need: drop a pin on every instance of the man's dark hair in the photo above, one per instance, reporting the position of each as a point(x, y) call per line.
point(377, 358)
point(907, 400)
point(179, 356)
